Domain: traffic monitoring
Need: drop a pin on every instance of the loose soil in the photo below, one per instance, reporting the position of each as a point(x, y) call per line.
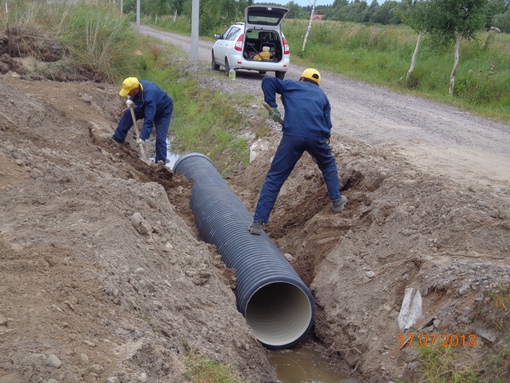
point(105, 279)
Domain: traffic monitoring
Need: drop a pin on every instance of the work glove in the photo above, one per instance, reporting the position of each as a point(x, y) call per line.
point(140, 141)
point(276, 116)
point(130, 103)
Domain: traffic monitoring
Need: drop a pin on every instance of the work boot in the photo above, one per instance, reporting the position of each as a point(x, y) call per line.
point(120, 142)
point(339, 204)
point(255, 228)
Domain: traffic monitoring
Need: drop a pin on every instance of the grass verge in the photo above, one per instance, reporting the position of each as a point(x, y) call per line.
point(203, 370)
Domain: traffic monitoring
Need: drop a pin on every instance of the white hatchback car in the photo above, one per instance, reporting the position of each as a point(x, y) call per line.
point(257, 44)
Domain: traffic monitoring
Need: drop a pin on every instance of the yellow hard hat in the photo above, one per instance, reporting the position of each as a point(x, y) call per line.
point(128, 85)
point(312, 74)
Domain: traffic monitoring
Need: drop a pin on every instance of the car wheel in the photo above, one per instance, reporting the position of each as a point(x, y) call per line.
point(280, 75)
point(227, 67)
point(214, 66)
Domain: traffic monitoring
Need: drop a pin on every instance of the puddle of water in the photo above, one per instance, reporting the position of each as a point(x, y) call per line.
point(171, 157)
point(305, 365)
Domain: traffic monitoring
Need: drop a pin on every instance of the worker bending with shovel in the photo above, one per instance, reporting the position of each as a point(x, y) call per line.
point(154, 106)
point(306, 127)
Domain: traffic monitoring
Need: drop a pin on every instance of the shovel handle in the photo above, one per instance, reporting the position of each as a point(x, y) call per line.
point(269, 109)
point(271, 112)
point(140, 145)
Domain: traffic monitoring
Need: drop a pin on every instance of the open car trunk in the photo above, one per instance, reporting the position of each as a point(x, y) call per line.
point(257, 39)
point(262, 29)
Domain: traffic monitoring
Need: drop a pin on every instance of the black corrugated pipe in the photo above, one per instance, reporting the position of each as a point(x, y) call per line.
point(277, 305)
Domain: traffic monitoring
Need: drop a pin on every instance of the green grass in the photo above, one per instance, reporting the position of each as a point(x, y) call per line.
point(203, 370)
point(180, 24)
point(439, 364)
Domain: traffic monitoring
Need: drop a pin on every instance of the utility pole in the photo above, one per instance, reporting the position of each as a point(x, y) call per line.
point(195, 8)
point(138, 13)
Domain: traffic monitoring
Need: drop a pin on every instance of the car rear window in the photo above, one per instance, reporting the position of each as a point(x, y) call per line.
point(261, 35)
point(263, 19)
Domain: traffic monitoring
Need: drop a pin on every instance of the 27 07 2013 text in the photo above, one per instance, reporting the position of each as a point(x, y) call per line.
point(447, 340)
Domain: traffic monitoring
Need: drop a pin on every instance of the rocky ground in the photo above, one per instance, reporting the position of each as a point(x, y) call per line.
point(104, 277)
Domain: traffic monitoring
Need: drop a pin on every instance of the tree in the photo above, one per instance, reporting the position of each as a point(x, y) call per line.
point(449, 21)
point(370, 11)
point(494, 7)
point(294, 10)
point(502, 22)
point(386, 14)
point(415, 15)
point(338, 10)
point(356, 10)
point(309, 26)
point(218, 14)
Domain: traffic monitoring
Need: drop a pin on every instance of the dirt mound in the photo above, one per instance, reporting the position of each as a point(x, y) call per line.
point(102, 274)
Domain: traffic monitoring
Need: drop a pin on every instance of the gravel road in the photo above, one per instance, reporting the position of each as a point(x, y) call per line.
point(432, 136)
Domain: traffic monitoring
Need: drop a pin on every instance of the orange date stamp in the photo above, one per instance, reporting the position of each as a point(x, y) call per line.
point(447, 340)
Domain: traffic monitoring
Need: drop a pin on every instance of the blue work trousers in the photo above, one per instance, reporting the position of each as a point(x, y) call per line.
point(289, 152)
point(161, 124)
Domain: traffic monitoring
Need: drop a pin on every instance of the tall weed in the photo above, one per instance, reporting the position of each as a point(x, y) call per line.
point(93, 35)
point(100, 39)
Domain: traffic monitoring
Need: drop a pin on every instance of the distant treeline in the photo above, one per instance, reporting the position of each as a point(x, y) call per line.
point(389, 12)
point(216, 15)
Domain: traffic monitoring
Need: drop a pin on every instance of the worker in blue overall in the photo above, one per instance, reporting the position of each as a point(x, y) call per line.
point(152, 104)
point(306, 127)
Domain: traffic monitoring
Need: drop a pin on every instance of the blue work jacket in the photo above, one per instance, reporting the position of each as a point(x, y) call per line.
point(307, 108)
point(154, 103)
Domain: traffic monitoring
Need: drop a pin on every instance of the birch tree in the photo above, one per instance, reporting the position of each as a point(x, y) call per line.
point(415, 17)
point(309, 26)
point(448, 21)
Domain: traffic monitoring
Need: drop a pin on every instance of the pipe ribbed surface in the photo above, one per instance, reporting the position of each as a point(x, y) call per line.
point(276, 303)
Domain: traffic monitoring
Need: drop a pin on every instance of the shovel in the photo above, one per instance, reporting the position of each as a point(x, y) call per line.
point(140, 144)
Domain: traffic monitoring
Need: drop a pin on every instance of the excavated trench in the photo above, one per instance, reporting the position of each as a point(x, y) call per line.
point(276, 303)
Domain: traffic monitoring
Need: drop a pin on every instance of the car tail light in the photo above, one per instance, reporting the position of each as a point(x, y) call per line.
point(239, 43)
point(286, 49)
